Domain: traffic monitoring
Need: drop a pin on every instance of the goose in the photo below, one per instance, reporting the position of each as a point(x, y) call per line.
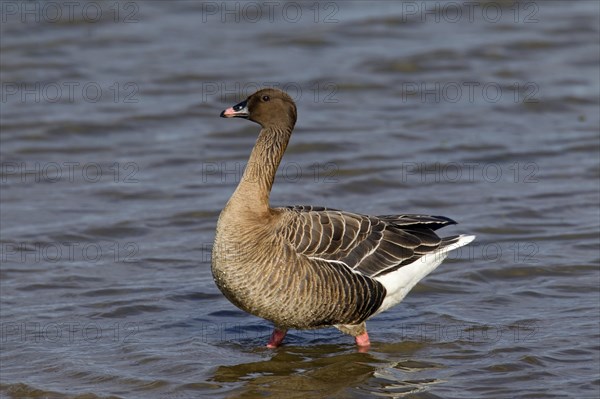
point(308, 267)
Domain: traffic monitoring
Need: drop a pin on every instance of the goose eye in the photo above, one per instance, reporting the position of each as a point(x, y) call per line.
point(266, 98)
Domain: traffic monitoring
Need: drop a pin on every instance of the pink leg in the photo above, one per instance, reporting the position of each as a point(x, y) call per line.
point(362, 341)
point(276, 338)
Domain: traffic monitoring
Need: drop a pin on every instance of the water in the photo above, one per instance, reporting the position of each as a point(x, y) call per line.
point(115, 166)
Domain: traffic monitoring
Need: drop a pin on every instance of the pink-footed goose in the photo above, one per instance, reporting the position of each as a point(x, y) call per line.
point(307, 267)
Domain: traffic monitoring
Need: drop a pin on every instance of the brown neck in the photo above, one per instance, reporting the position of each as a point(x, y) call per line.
point(252, 193)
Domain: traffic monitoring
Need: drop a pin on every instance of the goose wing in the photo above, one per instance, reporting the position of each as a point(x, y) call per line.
point(370, 245)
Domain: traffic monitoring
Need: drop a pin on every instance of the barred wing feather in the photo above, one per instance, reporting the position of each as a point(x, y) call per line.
point(370, 245)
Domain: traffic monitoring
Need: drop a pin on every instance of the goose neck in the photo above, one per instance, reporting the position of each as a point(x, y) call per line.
point(257, 180)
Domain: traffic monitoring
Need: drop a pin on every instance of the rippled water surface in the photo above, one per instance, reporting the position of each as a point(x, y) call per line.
point(115, 165)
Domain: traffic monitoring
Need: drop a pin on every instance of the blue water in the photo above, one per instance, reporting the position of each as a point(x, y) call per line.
point(115, 166)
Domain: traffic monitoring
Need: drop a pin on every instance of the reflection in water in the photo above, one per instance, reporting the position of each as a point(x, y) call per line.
point(328, 371)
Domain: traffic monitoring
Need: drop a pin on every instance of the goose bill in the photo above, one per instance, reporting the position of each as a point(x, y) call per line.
point(237, 111)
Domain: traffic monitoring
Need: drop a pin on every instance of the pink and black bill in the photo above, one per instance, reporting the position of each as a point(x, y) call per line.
point(237, 111)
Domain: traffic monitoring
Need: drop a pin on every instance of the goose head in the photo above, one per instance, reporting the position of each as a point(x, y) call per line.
point(267, 107)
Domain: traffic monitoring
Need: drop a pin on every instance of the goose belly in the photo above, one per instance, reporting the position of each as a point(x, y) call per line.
point(294, 293)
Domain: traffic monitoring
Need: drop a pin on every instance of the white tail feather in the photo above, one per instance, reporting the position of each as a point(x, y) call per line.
point(398, 283)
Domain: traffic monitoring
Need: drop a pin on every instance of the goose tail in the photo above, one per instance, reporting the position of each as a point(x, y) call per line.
point(399, 282)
